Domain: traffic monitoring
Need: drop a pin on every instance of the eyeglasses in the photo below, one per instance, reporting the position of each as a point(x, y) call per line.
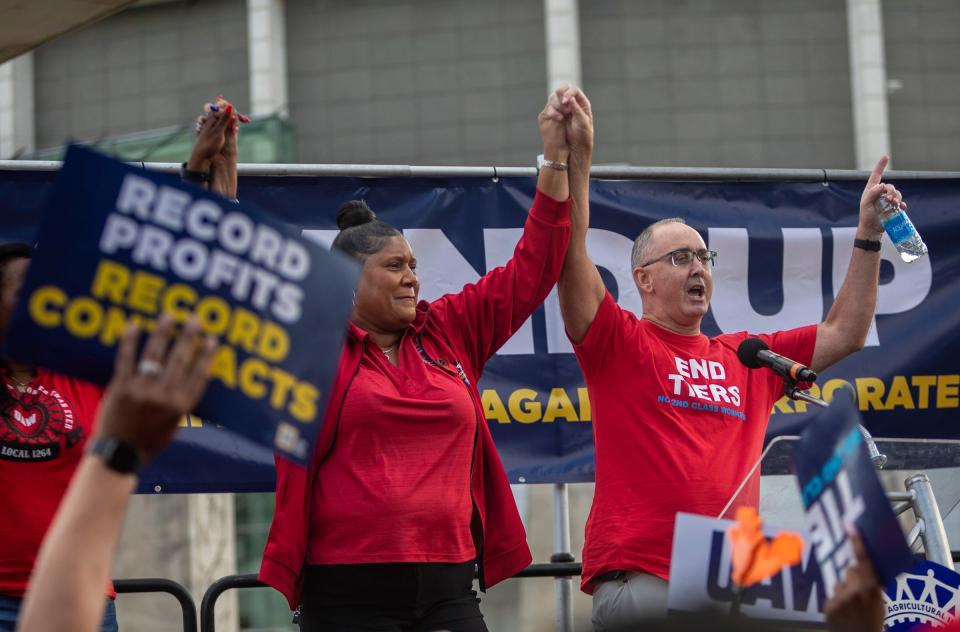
point(684, 257)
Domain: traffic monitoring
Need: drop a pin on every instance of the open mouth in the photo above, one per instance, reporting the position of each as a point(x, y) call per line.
point(696, 291)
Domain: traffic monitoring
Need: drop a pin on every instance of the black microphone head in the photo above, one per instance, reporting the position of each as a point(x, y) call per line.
point(748, 350)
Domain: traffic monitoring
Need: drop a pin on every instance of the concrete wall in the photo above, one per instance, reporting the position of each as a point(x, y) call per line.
point(732, 83)
point(187, 538)
point(923, 53)
point(416, 81)
point(143, 69)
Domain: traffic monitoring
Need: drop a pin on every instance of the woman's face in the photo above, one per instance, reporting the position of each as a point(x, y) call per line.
point(11, 281)
point(388, 289)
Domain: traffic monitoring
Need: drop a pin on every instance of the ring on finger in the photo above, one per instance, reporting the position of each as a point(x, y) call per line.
point(149, 367)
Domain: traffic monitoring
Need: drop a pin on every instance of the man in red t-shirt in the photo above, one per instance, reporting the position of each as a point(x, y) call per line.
point(678, 420)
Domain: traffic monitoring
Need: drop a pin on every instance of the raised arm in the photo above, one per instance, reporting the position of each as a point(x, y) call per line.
point(488, 312)
point(213, 160)
point(140, 409)
point(580, 287)
point(552, 179)
point(845, 328)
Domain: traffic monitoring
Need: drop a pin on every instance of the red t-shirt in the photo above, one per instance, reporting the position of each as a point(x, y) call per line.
point(42, 434)
point(678, 423)
point(403, 450)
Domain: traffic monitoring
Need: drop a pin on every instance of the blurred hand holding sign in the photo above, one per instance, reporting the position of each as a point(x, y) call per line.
point(740, 567)
point(840, 490)
point(119, 243)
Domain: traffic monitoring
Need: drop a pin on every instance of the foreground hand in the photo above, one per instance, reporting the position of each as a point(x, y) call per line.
point(857, 601)
point(147, 396)
point(870, 226)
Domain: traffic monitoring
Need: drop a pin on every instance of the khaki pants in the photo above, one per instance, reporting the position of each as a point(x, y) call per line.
point(621, 602)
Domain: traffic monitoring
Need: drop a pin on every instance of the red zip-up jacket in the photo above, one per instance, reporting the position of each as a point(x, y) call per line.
point(457, 330)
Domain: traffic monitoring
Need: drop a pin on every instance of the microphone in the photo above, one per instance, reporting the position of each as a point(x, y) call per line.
point(755, 353)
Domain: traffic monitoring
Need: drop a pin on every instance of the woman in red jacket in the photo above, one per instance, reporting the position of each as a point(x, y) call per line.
point(406, 495)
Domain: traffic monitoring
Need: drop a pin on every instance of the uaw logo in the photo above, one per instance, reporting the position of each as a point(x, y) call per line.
point(36, 424)
point(929, 595)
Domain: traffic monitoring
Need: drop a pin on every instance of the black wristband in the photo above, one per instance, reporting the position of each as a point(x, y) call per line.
point(119, 456)
point(196, 177)
point(867, 244)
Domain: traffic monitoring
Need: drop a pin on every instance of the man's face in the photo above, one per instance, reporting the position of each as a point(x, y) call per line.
point(678, 294)
point(11, 281)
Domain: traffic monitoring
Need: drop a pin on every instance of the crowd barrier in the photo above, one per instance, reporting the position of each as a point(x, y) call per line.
point(159, 584)
point(217, 588)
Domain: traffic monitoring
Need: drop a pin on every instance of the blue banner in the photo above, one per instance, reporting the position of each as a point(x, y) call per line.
point(783, 252)
point(121, 244)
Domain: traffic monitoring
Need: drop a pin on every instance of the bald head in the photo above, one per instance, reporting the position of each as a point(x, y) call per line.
point(641, 245)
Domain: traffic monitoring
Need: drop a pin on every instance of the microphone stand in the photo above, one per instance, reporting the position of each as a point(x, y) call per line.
point(790, 390)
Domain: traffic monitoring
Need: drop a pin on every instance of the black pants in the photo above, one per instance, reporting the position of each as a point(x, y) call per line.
point(407, 597)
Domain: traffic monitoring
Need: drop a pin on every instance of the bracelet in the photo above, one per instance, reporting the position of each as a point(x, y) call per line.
point(867, 244)
point(556, 164)
point(196, 177)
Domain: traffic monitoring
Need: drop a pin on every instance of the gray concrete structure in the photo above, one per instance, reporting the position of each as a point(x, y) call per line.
point(738, 83)
point(143, 69)
point(868, 82)
point(187, 538)
point(923, 55)
point(416, 81)
point(16, 107)
point(751, 83)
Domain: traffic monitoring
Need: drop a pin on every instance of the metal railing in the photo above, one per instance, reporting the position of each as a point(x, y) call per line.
point(217, 588)
point(159, 584)
point(611, 172)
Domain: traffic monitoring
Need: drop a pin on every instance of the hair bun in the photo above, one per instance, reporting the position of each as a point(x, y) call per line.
point(354, 213)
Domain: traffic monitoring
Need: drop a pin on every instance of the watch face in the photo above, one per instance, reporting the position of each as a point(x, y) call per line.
point(117, 455)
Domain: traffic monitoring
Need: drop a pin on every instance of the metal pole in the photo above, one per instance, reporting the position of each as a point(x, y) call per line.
point(876, 457)
point(932, 533)
point(599, 172)
point(561, 543)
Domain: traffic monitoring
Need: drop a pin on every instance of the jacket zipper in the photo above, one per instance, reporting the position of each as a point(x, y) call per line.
point(418, 339)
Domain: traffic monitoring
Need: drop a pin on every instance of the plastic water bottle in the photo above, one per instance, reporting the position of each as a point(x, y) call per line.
point(901, 231)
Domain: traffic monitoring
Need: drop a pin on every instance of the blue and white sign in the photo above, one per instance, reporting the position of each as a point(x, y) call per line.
point(840, 490)
point(700, 571)
point(119, 243)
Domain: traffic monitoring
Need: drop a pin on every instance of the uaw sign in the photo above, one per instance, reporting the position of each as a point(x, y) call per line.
point(700, 571)
point(118, 243)
point(840, 490)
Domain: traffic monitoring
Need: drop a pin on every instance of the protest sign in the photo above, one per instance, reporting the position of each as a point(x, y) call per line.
point(700, 577)
point(840, 489)
point(120, 243)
